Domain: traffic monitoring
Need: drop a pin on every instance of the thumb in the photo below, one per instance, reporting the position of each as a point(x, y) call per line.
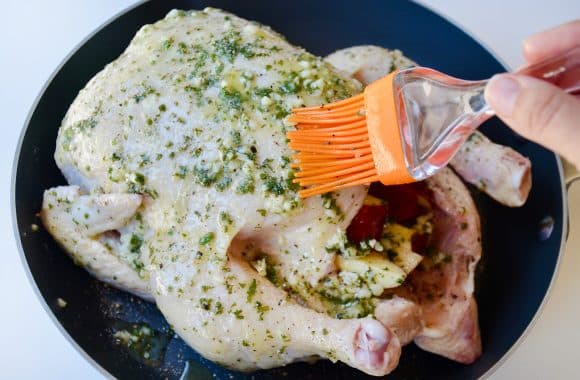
point(538, 111)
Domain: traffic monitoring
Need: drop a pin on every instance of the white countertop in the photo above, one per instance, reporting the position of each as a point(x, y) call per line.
point(36, 35)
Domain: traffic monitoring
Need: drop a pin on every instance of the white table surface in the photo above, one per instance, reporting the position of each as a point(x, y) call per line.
point(35, 36)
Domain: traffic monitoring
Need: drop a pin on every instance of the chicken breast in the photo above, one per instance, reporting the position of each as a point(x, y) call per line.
point(499, 171)
point(186, 132)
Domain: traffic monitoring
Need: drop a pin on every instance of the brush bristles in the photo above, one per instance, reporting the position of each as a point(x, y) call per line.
point(333, 147)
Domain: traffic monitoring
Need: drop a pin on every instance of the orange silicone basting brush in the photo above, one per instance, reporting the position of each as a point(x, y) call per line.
point(402, 128)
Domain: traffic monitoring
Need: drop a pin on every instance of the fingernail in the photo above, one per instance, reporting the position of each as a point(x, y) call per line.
point(501, 93)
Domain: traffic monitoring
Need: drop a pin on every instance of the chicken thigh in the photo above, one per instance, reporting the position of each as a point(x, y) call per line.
point(185, 134)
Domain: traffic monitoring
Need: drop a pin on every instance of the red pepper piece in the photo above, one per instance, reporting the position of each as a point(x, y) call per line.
point(403, 200)
point(367, 224)
point(419, 243)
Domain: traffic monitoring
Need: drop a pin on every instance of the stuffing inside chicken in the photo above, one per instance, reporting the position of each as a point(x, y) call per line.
point(180, 192)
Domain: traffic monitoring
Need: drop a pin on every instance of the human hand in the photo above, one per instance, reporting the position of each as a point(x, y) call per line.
point(534, 108)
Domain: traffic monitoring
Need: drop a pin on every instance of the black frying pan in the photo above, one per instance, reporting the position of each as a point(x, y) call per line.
point(514, 276)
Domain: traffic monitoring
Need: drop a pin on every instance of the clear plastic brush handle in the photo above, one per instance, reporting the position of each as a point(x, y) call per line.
point(437, 113)
point(562, 71)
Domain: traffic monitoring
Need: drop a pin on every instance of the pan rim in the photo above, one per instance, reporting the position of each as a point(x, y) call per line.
point(104, 371)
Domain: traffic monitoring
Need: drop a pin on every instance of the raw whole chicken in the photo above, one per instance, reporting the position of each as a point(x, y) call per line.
point(175, 151)
point(180, 192)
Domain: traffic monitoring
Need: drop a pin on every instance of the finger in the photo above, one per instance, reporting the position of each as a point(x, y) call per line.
point(538, 111)
point(552, 42)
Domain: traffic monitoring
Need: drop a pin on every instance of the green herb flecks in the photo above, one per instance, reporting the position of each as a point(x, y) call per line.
point(230, 46)
point(181, 172)
point(232, 99)
point(145, 92)
point(261, 309)
point(135, 243)
point(246, 186)
point(207, 238)
point(167, 44)
point(273, 185)
point(251, 290)
point(80, 127)
point(205, 176)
